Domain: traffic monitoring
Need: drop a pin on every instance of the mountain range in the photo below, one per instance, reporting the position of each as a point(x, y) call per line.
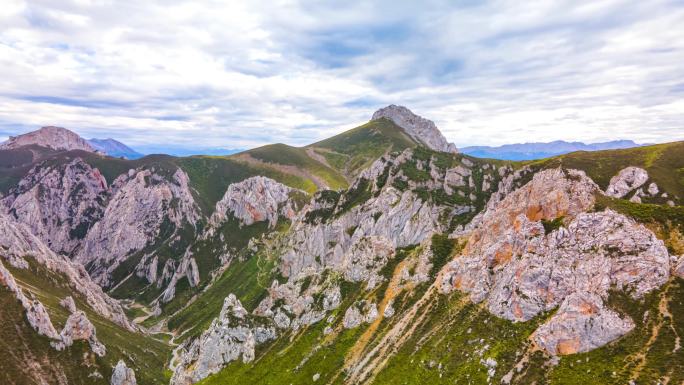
point(381, 255)
point(540, 150)
point(114, 148)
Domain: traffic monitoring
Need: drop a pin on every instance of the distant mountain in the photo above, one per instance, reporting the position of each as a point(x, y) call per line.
point(539, 150)
point(56, 138)
point(114, 148)
point(190, 151)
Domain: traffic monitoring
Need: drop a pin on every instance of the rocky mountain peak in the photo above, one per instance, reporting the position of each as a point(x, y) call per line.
point(57, 138)
point(423, 130)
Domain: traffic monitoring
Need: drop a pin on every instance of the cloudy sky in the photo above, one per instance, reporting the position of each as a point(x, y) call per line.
point(237, 74)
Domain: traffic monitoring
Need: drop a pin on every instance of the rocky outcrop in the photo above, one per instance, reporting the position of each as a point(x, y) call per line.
point(142, 202)
point(56, 138)
point(18, 243)
point(122, 375)
point(678, 266)
point(59, 203)
point(582, 323)
point(519, 268)
point(361, 312)
point(78, 327)
point(626, 181)
point(254, 199)
point(231, 336)
point(422, 130)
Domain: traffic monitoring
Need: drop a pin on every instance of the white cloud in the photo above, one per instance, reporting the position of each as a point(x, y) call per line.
point(241, 74)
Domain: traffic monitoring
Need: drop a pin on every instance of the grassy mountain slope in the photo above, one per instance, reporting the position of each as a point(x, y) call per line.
point(352, 151)
point(294, 160)
point(664, 163)
point(29, 353)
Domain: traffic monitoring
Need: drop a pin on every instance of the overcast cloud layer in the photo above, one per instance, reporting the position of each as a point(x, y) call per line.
point(199, 74)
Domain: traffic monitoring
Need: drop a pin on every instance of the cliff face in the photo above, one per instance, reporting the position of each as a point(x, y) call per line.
point(59, 203)
point(142, 203)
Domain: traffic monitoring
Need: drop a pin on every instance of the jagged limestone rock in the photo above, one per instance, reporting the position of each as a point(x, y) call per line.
point(58, 203)
point(421, 129)
point(122, 375)
point(68, 303)
point(627, 180)
point(17, 243)
point(231, 336)
point(519, 270)
point(79, 327)
point(582, 323)
point(36, 315)
point(141, 202)
point(254, 199)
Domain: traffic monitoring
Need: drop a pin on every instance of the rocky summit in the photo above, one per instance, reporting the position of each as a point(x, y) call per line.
point(56, 138)
point(378, 256)
point(423, 130)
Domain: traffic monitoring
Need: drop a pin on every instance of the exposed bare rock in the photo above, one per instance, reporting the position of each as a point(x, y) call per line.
point(78, 327)
point(69, 304)
point(352, 317)
point(122, 375)
point(59, 203)
point(519, 270)
point(419, 128)
point(254, 199)
point(39, 319)
point(678, 266)
point(36, 315)
point(142, 201)
point(17, 242)
point(389, 220)
point(582, 323)
point(653, 189)
point(57, 138)
point(360, 312)
point(187, 268)
point(627, 180)
point(231, 336)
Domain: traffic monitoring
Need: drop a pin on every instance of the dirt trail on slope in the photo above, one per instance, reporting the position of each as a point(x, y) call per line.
point(292, 170)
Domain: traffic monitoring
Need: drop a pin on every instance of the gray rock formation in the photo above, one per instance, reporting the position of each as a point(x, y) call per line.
point(231, 336)
point(58, 203)
point(36, 315)
point(78, 327)
point(421, 129)
point(56, 138)
point(678, 266)
point(18, 243)
point(519, 270)
point(69, 304)
point(627, 180)
point(142, 200)
point(582, 323)
point(254, 199)
point(122, 375)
